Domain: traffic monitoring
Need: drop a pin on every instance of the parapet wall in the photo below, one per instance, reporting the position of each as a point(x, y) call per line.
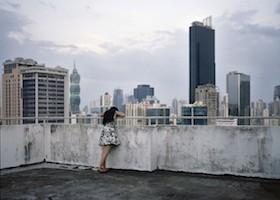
point(245, 151)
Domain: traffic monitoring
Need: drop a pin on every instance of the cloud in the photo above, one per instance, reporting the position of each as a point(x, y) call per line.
point(18, 36)
point(241, 15)
point(248, 47)
point(47, 3)
point(158, 58)
point(68, 48)
point(277, 9)
point(12, 28)
point(120, 66)
point(14, 5)
point(241, 21)
point(111, 48)
point(11, 22)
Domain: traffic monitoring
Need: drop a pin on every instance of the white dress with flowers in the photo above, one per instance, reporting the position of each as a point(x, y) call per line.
point(109, 135)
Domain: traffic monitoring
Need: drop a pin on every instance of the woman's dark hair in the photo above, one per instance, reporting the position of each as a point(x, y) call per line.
point(109, 115)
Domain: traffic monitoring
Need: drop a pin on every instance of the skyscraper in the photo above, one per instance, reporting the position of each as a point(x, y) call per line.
point(224, 106)
point(274, 106)
point(276, 93)
point(94, 106)
point(75, 91)
point(135, 110)
point(33, 90)
point(142, 91)
point(1, 92)
point(257, 110)
point(105, 102)
point(238, 89)
point(202, 55)
point(118, 99)
point(45, 93)
point(175, 106)
point(11, 82)
point(209, 96)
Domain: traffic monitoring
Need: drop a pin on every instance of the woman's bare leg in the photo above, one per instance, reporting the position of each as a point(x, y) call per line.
point(107, 151)
point(104, 154)
point(101, 165)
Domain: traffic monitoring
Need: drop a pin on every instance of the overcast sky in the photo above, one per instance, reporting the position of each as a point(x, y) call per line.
point(122, 43)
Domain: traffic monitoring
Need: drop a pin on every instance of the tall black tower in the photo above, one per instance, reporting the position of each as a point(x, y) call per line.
point(202, 55)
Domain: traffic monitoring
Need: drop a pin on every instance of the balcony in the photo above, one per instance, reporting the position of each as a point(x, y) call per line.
point(215, 162)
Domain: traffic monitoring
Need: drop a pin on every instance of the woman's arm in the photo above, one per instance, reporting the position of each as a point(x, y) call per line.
point(120, 114)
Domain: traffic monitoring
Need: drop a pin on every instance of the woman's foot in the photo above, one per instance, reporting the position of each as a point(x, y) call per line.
point(103, 170)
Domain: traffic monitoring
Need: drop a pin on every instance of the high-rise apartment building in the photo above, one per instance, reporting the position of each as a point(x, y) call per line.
point(135, 114)
point(34, 91)
point(257, 110)
point(202, 56)
point(75, 91)
point(94, 106)
point(142, 91)
point(209, 96)
point(238, 89)
point(45, 94)
point(12, 85)
point(118, 99)
point(105, 102)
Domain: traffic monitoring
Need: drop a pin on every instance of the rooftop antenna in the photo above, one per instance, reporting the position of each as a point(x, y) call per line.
point(208, 21)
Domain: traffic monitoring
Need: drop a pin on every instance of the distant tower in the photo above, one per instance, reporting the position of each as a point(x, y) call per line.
point(142, 91)
point(175, 106)
point(238, 89)
point(276, 93)
point(202, 55)
point(209, 96)
point(105, 102)
point(118, 99)
point(75, 91)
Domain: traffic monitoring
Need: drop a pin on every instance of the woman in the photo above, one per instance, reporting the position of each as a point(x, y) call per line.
point(109, 135)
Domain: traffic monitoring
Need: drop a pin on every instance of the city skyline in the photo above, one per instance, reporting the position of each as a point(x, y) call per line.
point(158, 55)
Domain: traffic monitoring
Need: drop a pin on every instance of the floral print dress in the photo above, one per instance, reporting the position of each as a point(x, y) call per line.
point(109, 135)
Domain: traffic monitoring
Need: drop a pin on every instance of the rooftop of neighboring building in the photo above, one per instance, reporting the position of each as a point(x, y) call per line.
point(76, 182)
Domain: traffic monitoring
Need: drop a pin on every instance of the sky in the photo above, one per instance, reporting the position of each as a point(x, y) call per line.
point(120, 44)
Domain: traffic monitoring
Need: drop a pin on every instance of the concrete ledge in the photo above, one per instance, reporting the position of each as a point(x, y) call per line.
point(21, 144)
point(243, 151)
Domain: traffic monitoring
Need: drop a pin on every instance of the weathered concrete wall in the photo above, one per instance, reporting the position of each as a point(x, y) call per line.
point(21, 145)
point(76, 144)
point(246, 151)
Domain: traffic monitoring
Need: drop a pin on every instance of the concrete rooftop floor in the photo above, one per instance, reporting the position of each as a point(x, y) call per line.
point(64, 183)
